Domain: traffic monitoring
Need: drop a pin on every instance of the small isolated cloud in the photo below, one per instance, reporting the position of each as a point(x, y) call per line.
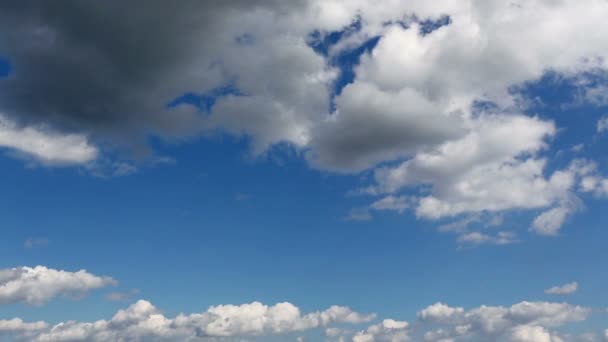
point(602, 124)
point(359, 214)
point(36, 242)
point(563, 290)
point(478, 238)
point(38, 285)
point(121, 296)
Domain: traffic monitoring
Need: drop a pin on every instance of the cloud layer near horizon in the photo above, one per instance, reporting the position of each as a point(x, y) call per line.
point(142, 321)
point(536, 321)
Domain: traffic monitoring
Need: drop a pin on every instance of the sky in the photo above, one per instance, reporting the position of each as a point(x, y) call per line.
point(312, 170)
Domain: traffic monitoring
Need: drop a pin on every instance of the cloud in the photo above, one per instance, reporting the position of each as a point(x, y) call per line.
point(388, 330)
point(143, 320)
point(521, 322)
point(440, 110)
point(531, 333)
point(37, 285)
point(359, 214)
point(17, 327)
point(121, 296)
point(525, 321)
point(399, 203)
point(412, 91)
point(44, 145)
point(602, 124)
point(566, 289)
point(477, 238)
point(481, 171)
point(36, 242)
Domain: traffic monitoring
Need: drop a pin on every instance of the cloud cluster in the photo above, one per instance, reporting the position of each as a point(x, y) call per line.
point(435, 105)
point(144, 322)
point(39, 284)
point(525, 321)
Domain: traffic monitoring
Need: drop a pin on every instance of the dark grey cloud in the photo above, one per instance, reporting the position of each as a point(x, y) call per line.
point(108, 68)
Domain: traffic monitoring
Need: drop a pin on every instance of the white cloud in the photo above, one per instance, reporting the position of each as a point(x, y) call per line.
point(40, 284)
point(412, 100)
point(17, 324)
point(566, 289)
point(143, 321)
point(477, 238)
point(45, 146)
point(524, 321)
point(480, 172)
point(388, 330)
point(532, 333)
point(602, 123)
point(550, 221)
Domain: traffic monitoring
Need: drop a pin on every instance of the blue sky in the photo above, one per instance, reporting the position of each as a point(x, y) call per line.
point(408, 172)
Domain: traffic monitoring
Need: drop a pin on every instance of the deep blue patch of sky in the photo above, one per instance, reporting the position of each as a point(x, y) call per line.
point(5, 67)
point(205, 101)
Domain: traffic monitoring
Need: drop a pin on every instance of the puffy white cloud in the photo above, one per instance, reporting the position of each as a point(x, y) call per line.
point(565, 289)
point(18, 325)
point(525, 321)
point(531, 333)
point(440, 312)
point(388, 330)
point(40, 284)
point(44, 145)
point(143, 321)
point(481, 171)
point(413, 98)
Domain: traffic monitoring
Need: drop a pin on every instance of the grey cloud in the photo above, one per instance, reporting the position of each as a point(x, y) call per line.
point(109, 68)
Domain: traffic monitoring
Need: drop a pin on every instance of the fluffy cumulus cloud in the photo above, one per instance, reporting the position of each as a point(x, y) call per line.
point(142, 321)
point(425, 94)
point(525, 321)
point(40, 284)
